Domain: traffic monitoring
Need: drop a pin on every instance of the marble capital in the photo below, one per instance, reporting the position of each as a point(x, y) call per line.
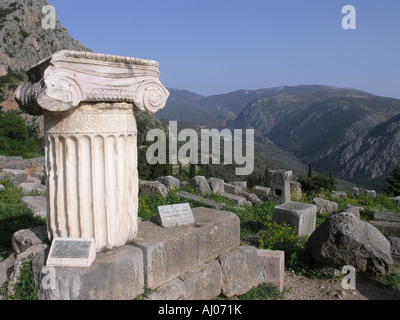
point(67, 78)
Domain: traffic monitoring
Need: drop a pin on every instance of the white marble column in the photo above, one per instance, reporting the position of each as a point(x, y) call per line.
point(89, 103)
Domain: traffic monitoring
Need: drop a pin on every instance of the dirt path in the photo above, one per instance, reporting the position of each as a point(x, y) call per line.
point(302, 288)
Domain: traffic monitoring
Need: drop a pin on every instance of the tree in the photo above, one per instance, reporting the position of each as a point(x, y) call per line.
point(317, 184)
point(266, 179)
point(192, 171)
point(309, 174)
point(392, 182)
point(14, 136)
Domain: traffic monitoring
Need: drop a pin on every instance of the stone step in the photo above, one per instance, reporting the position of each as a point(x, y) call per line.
point(171, 252)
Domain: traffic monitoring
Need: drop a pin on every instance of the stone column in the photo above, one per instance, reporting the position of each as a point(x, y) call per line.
point(89, 103)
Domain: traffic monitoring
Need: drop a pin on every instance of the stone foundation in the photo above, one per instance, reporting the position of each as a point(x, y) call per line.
point(193, 262)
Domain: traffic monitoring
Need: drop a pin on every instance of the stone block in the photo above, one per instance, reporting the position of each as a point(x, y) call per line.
point(27, 187)
point(16, 176)
point(171, 252)
point(387, 216)
point(295, 191)
point(387, 228)
point(173, 290)
point(252, 198)
point(280, 186)
point(262, 192)
point(153, 188)
point(26, 238)
point(206, 202)
point(115, 275)
point(38, 205)
point(230, 188)
point(239, 271)
point(6, 269)
point(240, 184)
point(234, 198)
point(216, 185)
point(199, 183)
point(204, 283)
point(371, 193)
point(170, 182)
point(356, 191)
point(296, 214)
point(271, 267)
point(27, 254)
point(325, 206)
point(339, 194)
point(356, 211)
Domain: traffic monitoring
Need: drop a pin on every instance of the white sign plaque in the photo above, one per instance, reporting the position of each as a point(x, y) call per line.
point(175, 215)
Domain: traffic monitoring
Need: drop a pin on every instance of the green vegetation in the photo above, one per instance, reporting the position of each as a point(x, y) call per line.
point(318, 183)
point(14, 215)
point(265, 291)
point(10, 81)
point(17, 139)
point(392, 186)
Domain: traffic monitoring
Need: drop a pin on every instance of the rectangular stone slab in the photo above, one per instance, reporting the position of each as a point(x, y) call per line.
point(171, 252)
point(72, 252)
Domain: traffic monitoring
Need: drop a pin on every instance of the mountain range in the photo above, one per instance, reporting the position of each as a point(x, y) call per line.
point(351, 133)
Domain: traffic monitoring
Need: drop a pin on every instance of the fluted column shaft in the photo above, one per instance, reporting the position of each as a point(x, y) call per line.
point(91, 163)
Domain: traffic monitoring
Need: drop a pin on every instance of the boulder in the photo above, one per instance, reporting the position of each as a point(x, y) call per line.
point(199, 183)
point(325, 206)
point(170, 182)
point(153, 187)
point(343, 239)
point(216, 185)
point(26, 238)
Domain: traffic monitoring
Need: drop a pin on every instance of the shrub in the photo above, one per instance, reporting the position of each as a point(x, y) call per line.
point(279, 237)
point(317, 184)
point(14, 136)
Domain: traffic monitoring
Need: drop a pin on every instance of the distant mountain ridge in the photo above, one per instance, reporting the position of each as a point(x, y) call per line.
point(352, 133)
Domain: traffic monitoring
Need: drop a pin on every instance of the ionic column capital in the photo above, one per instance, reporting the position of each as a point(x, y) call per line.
point(67, 78)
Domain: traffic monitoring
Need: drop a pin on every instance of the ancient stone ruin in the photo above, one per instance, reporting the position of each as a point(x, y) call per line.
point(89, 102)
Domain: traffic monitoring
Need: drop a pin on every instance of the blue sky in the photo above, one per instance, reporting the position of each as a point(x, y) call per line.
point(219, 46)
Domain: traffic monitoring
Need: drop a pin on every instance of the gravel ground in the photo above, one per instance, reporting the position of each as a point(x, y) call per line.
point(302, 288)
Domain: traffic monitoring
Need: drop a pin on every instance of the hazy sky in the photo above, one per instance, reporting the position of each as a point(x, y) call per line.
point(218, 46)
